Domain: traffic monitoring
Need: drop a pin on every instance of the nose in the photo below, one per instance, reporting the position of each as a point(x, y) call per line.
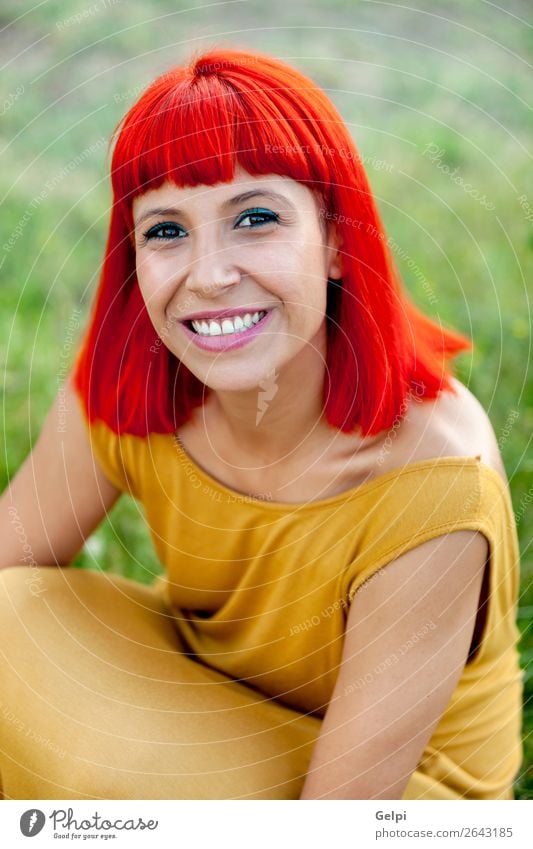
point(211, 273)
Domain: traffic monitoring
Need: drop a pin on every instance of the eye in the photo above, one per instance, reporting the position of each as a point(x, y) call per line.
point(164, 231)
point(257, 217)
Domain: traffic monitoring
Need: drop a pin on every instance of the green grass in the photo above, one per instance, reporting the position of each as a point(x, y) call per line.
point(403, 80)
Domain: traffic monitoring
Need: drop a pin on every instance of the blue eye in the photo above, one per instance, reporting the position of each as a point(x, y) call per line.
point(164, 231)
point(264, 216)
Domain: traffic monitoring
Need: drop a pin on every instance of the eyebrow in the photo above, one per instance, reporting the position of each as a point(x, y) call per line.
point(227, 204)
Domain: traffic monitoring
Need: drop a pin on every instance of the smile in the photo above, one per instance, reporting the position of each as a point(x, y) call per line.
point(235, 324)
point(227, 333)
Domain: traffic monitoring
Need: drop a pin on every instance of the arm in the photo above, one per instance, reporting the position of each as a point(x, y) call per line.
point(58, 496)
point(392, 689)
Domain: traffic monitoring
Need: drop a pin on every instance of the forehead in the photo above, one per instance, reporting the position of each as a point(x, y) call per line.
point(205, 196)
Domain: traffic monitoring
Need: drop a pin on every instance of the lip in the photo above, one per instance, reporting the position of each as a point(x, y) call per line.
point(229, 341)
point(216, 314)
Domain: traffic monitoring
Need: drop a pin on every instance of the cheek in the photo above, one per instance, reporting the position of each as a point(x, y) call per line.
point(297, 281)
point(306, 285)
point(152, 281)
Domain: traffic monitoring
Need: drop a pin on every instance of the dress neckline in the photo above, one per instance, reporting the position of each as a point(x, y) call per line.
point(345, 495)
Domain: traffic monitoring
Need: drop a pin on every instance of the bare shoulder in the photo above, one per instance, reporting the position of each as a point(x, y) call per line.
point(451, 425)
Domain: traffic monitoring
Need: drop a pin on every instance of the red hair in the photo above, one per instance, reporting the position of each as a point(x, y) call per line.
point(192, 125)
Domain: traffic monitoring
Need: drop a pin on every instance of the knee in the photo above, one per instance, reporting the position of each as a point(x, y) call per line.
point(23, 589)
point(19, 584)
point(33, 608)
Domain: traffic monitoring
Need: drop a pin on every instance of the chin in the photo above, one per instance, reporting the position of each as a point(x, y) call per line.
point(252, 383)
point(237, 378)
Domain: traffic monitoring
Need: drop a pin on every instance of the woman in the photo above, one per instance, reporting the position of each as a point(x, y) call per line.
point(336, 618)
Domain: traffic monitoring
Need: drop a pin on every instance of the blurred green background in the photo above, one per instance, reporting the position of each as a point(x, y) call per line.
point(436, 99)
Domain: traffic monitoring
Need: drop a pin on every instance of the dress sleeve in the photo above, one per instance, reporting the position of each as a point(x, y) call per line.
point(429, 499)
point(108, 449)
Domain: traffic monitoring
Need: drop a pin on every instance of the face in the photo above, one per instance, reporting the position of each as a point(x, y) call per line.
point(235, 286)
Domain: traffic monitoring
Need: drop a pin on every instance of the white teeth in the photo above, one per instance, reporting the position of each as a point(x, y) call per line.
point(237, 324)
point(227, 326)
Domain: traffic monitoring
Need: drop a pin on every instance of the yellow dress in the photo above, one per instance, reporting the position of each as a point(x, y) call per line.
point(259, 591)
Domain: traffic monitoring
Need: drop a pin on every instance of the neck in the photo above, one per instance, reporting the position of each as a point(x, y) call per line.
point(271, 421)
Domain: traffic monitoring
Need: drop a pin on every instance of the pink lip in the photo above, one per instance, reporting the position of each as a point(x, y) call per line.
point(229, 341)
point(214, 314)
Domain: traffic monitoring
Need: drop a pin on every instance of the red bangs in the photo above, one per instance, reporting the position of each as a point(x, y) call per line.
point(192, 127)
